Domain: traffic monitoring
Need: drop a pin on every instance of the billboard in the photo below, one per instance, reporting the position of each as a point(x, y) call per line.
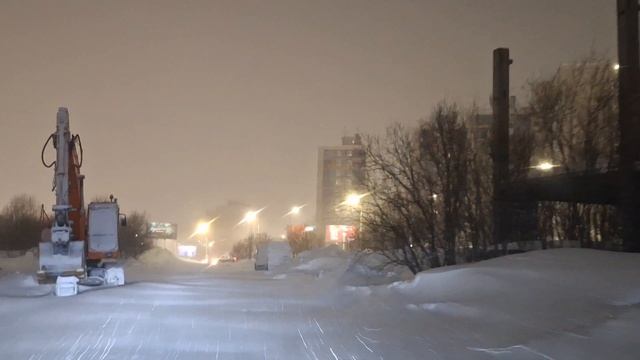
point(340, 233)
point(161, 230)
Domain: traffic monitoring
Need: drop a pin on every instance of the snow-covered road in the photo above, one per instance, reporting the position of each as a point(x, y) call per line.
point(574, 304)
point(225, 313)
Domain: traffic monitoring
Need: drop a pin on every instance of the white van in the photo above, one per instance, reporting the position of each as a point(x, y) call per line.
point(271, 254)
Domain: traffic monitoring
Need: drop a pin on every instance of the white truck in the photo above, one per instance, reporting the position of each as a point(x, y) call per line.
point(271, 254)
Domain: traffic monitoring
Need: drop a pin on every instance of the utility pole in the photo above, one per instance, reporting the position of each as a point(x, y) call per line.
point(500, 146)
point(629, 122)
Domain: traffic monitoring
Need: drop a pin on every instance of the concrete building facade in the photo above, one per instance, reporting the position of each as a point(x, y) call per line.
point(340, 173)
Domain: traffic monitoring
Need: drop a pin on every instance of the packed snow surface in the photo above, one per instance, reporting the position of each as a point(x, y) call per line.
point(553, 304)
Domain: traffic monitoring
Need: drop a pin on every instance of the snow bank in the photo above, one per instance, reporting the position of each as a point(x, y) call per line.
point(157, 257)
point(353, 269)
point(27, 263)
point(322, 261)
point(323, 264)
point(603, 276)
point(373, 269)
point(22, 285)
point(157, 261)
point(541, 304)
point(327, 251)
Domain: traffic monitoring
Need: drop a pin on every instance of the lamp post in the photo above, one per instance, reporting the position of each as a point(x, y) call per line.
point(250, 218)
point(203, 229)
point(294, 211)
point(354, 201)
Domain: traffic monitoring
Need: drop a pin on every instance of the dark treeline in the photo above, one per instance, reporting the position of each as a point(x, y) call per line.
point(22, 223)
point(246, 248)
point(430, 190)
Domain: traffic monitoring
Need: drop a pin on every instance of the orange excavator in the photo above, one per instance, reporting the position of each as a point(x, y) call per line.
point(81, 247)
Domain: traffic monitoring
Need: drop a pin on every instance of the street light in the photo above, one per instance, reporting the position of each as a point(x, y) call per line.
point(251, 217)
point(545, 166)
point(202, 229)
point(295, 210)
point(354, 201)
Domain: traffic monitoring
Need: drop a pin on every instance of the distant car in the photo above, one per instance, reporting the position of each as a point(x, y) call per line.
point(227, 259)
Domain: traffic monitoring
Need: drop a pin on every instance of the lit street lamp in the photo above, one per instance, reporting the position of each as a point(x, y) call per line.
point(295, 210)
point(251, 217)
point(203, 229)
point(545, 166)
point(354, 201)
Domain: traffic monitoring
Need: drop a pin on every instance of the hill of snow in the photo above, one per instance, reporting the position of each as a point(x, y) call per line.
point(551, 304)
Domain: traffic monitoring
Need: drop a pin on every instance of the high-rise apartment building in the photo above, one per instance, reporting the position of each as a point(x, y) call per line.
point(340, 173)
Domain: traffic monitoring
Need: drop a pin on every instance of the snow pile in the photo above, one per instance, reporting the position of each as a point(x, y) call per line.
point(27, 263)
point(363, 268)
point(370, 268)
point(324, 264)
point(540, 274)
point(551, 304)
point(157, 261)
point(327, 251)
point(157, 257)
point(318, 262)
point(22, 285)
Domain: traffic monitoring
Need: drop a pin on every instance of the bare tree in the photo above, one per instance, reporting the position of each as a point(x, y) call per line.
point(246, 248)
point(133, 238)
point(417, 180)
point(400, 217)
point(576, 112)
point(479, 194)
point(300, 241)
point(445, 146)
point(20, 226)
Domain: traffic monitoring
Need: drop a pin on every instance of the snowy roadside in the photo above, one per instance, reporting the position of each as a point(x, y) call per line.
point(17, 277)
point(17, 274)
point(552, 304)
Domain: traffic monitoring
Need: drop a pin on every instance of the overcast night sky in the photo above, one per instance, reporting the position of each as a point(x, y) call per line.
point(183, 105)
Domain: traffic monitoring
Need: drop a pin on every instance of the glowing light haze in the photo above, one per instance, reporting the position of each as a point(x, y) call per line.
point(183, 105)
